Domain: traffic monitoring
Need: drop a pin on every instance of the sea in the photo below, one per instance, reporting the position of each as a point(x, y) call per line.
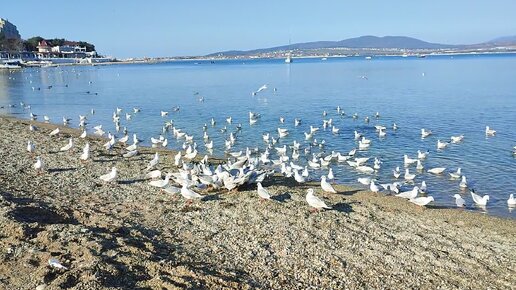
point(450, 95)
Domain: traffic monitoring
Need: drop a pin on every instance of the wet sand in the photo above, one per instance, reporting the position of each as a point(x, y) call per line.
point(130, 235)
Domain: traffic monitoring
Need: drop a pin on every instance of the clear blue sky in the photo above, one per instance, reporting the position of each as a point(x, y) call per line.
point(125, 28)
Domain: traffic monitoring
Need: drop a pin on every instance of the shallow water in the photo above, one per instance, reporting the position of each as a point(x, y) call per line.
point(448, 95)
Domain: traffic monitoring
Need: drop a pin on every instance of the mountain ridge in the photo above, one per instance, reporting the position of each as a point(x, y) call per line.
point(366, 42)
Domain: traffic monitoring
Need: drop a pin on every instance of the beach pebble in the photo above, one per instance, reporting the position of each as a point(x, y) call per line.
point(41, 287)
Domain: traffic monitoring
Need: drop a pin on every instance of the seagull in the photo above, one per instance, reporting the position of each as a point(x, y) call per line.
point(373, 187)
point(364, 180)
point(490, 132)
point(54, 132)
point(85, 153)
point(409, 194)
point(457, 174)
point(109, 177)
point(153, 174)
point(437, 170)
point(30, 147)
point(153, 162)
point(422, 189)
point(511, 202)
point(189, 194)
point(326, 186)
point(422, 201)
point(161, 182)
point(441, 145)
point(314, 201)
point(67, 146)
point(459, 201)
point(39, 165)
point(53, 262)
point(298, 177)
point(482, 201)
point(422, 155)
point(457, 139)
point(396, 172)
point(262, 192)
point(463, 183)
point(408, 161)
point(425, 133)
point(83, 134)
point(408, 175)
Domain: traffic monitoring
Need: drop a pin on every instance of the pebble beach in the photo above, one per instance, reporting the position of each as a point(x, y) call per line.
point(130, 235)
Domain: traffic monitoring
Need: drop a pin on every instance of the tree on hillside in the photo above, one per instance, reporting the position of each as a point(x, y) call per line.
point(89, 46)
point(31, 44)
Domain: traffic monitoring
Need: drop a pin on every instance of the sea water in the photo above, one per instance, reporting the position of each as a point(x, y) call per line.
point(449, 95)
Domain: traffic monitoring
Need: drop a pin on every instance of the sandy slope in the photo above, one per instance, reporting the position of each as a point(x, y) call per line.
point(131, 235)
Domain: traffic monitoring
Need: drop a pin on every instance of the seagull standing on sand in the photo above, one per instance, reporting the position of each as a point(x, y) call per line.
point(262, 192)
point(85, 153)
point(67, 146)
point(189, 194)
point(326, 186)
point(54, 132)
point(153, 162)
point(39, 165)
point(110, 177)
point(30, 147)
point(314, 201)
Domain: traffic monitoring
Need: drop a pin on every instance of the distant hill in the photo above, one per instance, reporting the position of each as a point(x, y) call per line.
point(402, 42)
point(504, 40)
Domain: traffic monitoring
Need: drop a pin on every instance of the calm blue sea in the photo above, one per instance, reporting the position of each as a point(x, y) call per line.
point(450, 95)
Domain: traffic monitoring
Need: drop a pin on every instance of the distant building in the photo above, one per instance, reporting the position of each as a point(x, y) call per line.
point(69, 49)
point(44, 47)
point(8, 30)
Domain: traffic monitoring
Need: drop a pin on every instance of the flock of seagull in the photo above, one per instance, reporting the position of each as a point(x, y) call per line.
point(252, 166)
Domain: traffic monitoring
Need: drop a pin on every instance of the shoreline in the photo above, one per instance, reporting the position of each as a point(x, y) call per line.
point(247, 58)
point(130, 234)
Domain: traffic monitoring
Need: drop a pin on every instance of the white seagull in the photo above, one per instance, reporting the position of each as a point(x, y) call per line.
point(262, 192)
point(480, 200)
point(459, 201)
point(314, 201)
point(326, 186)
point(109, 177)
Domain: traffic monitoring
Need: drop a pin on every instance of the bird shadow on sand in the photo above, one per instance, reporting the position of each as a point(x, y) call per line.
point(131, 181)
point(212, 197)
point(59, 170)
point(282, 197)
point(342, 207)
point(348, 192)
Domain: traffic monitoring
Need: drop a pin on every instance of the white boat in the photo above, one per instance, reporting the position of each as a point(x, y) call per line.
point(368, 57)
point(324, 58)
point(288, 59)
point(9, 66)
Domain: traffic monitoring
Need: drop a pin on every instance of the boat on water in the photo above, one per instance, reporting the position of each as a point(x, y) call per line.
point(324, 58)
point(368, 57)
point(289, 58)
point(11, 64)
